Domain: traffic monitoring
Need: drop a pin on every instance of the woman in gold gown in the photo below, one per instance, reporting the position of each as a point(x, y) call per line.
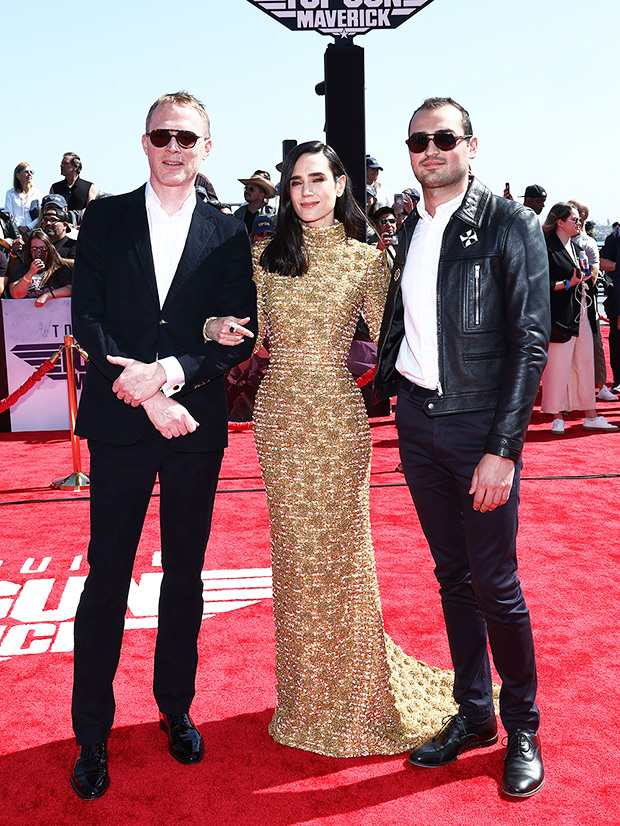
point(344, 688)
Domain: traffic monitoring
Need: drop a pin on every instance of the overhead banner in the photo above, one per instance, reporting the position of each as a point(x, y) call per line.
point(340, 18)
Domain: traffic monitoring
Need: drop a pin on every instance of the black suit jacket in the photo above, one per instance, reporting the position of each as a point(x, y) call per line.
point(116, 311)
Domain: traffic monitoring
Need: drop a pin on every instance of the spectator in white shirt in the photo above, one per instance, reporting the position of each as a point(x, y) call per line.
point(23, 201)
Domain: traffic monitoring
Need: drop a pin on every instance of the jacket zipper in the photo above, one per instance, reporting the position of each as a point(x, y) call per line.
point(477, 294)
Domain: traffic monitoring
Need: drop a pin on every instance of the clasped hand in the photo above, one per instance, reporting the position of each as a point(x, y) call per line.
point(138, 381)
point(139, 384)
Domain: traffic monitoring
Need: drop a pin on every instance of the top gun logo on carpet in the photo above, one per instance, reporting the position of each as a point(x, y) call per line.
point(340, 18)
point(38, 602)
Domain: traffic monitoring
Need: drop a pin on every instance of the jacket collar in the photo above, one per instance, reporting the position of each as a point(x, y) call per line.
point(471, 211)
point(137, 223)
point(200, 230)
point(474, 203)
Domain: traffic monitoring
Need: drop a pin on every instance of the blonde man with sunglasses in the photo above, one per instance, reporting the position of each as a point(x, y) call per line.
point(153, 405)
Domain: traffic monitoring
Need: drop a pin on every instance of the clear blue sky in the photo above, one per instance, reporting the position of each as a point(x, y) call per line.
point(539, 78)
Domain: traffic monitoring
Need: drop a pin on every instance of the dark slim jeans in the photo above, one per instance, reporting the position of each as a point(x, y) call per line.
point(475, 560)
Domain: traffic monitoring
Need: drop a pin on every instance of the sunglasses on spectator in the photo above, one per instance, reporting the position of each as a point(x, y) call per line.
point(28, 171)
point(161, 137)
point(38, 250)
point(443, 140)
point(384, 221)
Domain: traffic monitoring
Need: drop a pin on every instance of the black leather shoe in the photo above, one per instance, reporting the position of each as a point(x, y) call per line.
point(458, 734)
point(90, 778)
point(523, 769)
point(186, 744)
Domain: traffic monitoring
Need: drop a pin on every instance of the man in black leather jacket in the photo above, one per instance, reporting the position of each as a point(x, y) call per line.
point(463, 342)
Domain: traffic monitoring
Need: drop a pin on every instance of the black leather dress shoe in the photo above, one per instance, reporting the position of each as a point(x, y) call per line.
point(523, 769)
point(185, 742)
point(90, 778)
point(458, 734)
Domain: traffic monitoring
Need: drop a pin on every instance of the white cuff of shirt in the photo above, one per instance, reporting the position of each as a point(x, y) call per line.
point(175, 377)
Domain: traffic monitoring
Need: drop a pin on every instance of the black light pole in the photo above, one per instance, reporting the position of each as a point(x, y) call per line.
point(287, 145)
point(345, 117)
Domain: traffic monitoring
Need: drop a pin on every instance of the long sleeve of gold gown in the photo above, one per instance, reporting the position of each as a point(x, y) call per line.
point(344, 688)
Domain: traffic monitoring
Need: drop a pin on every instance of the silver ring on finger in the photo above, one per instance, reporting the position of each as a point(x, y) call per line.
point(233, 327)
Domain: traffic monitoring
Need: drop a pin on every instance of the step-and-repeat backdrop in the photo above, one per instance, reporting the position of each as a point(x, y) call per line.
point(31, 335)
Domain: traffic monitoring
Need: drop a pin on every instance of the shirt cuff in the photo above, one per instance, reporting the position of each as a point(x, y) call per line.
point(175, 377)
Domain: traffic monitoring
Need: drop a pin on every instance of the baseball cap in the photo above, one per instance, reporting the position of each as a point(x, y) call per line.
point(262, 224)
point(534, 191)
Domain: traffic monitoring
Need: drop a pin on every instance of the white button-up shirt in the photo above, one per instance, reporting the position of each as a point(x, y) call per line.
point(418, 357)
point(19, 204)
point(168, 235)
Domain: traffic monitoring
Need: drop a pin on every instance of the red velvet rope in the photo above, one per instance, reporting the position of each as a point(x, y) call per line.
point(239, 426)
point(30, 382)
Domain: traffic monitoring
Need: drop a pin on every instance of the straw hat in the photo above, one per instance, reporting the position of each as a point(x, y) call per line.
point(259, 179)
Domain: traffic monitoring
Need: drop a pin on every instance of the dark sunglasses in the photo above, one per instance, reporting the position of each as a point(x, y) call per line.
point(443, 140)
point(384, 221)
point(161, 138)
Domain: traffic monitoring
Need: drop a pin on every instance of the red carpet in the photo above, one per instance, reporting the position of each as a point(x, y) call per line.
point(570, 566)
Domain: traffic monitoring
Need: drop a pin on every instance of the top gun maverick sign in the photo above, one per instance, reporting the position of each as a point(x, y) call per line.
point(341, 18)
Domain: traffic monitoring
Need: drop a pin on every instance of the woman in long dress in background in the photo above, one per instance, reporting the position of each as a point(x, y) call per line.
point(344, 688)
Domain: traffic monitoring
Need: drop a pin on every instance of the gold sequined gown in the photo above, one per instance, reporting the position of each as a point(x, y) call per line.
point(344, 688)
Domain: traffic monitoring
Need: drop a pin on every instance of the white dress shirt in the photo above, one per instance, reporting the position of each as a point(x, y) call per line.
point(168, 235)
point(18, 204)
point(418, 357)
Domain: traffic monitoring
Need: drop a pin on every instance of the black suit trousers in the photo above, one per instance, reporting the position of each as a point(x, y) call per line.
point(475, 560)
point(122, 479)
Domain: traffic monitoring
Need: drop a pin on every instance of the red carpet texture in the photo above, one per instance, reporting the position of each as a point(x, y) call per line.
point(570, 564)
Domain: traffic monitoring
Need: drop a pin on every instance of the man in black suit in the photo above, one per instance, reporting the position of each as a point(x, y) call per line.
point(150, 266)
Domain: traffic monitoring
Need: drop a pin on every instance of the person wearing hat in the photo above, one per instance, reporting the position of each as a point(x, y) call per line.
point(75, 215)
point(55, 222)
point(258, 190)
point(534, 198)
point(372, 174)
point(264, 226)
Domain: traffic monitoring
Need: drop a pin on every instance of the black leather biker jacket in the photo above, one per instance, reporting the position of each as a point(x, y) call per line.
point(493, 317)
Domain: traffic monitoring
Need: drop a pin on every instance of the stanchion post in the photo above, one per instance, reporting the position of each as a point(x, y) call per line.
point(76, 480)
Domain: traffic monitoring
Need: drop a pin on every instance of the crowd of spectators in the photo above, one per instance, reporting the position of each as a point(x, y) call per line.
point(38, 232)
point(38, 237)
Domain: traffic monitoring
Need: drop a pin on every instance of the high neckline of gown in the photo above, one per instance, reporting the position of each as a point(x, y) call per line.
point(324, 236)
